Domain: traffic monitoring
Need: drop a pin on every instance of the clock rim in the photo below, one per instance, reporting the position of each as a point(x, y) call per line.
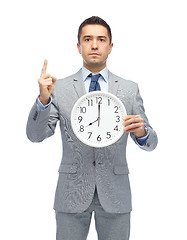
point(95, 145)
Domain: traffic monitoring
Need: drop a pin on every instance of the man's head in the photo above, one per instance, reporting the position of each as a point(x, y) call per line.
point(94, 43)
point(95, 20)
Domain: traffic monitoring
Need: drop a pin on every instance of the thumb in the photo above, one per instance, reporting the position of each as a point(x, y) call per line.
point(53, 79)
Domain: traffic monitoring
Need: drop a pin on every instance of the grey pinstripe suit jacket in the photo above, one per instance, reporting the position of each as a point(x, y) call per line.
point(83, 167)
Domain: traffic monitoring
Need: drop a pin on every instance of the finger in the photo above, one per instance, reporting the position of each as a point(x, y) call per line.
point(44, 82)
point(133, 120)
point(53, 79)
point(45, 76)
point(44, 68)
point(127, 117)
point(133, 127)
point(48, 81)
point(131, 130)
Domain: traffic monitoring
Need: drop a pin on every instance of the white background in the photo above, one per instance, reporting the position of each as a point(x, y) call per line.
point(150, 48)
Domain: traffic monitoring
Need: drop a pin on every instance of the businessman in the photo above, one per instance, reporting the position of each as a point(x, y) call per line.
point(90, 179)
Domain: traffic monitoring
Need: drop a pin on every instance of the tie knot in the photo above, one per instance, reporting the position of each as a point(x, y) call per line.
point(94, 78)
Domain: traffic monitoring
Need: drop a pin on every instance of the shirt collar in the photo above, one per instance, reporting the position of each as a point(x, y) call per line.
point(86, 72)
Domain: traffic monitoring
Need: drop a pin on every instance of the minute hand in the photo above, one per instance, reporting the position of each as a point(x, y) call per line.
point(99, 112)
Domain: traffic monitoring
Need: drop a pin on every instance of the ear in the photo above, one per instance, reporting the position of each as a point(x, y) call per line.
point(79, 47)
point(110, 48)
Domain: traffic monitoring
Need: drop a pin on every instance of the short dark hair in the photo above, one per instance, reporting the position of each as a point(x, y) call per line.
point(94, 20)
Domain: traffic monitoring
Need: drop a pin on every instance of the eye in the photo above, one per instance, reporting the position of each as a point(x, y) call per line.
point(102, 40)
point(87, 39)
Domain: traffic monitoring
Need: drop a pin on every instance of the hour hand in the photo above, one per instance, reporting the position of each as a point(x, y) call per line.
point(92, 122)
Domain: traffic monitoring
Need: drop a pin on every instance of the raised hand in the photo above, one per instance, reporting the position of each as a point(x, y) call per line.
point(46, 84)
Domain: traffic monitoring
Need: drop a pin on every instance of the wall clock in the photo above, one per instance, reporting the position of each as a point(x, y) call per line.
point(96, 118)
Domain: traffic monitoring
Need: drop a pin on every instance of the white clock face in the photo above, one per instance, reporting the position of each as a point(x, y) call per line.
point(96, 118)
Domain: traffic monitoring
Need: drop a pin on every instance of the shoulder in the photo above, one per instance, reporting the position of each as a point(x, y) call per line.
point(63, 84)
point(68, 80)
point(124, 82)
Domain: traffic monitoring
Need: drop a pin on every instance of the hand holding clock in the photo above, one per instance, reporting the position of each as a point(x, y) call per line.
point(134, 123)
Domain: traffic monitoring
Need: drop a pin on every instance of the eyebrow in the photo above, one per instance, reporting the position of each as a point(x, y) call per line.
point(86, 36)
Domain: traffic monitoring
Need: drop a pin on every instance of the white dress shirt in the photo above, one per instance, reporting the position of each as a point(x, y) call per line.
point(103, 79)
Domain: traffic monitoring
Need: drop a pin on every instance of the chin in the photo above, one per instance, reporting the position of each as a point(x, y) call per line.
point(94, 63)
point(97, 61)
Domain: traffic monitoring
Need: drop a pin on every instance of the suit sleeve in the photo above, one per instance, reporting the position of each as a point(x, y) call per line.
point(41, 124)
point(138, 109)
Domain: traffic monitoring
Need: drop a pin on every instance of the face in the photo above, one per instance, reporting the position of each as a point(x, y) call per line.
point(94, 46)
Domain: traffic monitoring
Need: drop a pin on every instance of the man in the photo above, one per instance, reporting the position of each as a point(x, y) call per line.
point(90, 179)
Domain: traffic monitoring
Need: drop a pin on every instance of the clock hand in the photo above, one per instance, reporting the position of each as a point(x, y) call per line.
point(92, 122)
point(99, 107)
point(98, 119)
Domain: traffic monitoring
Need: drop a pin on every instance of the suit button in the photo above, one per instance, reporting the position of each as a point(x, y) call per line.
point(100, 163)
point(94, 163)
point(35, 116)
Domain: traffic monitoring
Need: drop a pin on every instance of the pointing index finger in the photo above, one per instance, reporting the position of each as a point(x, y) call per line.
point(44, 68)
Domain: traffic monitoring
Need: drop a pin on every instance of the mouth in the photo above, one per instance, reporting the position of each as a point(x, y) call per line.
point(94, 54)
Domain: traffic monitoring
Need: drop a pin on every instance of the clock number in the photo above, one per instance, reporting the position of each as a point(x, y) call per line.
point(90, 102)
point(108, 102)
point(99, 100)
point(81, 128)
point(118, 119)
point(99, 138)
point(108, 135)
point(82, 109)
point(116, 128)
point(90, 134)
point(116, 107)
point(80, 118)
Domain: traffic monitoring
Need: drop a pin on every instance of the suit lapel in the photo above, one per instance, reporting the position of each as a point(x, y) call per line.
point(78, 84)
point(113, 84)
point(79, 87)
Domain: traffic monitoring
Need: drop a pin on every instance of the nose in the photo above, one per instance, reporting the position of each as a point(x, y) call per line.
point(94, 44)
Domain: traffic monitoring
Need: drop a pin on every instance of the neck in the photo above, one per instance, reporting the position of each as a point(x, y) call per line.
point(94, 69)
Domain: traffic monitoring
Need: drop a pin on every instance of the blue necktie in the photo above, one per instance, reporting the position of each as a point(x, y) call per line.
point(94, 85)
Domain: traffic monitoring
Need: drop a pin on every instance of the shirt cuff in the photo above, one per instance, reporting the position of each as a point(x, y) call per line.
point(142, 140)
point(41, 106)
